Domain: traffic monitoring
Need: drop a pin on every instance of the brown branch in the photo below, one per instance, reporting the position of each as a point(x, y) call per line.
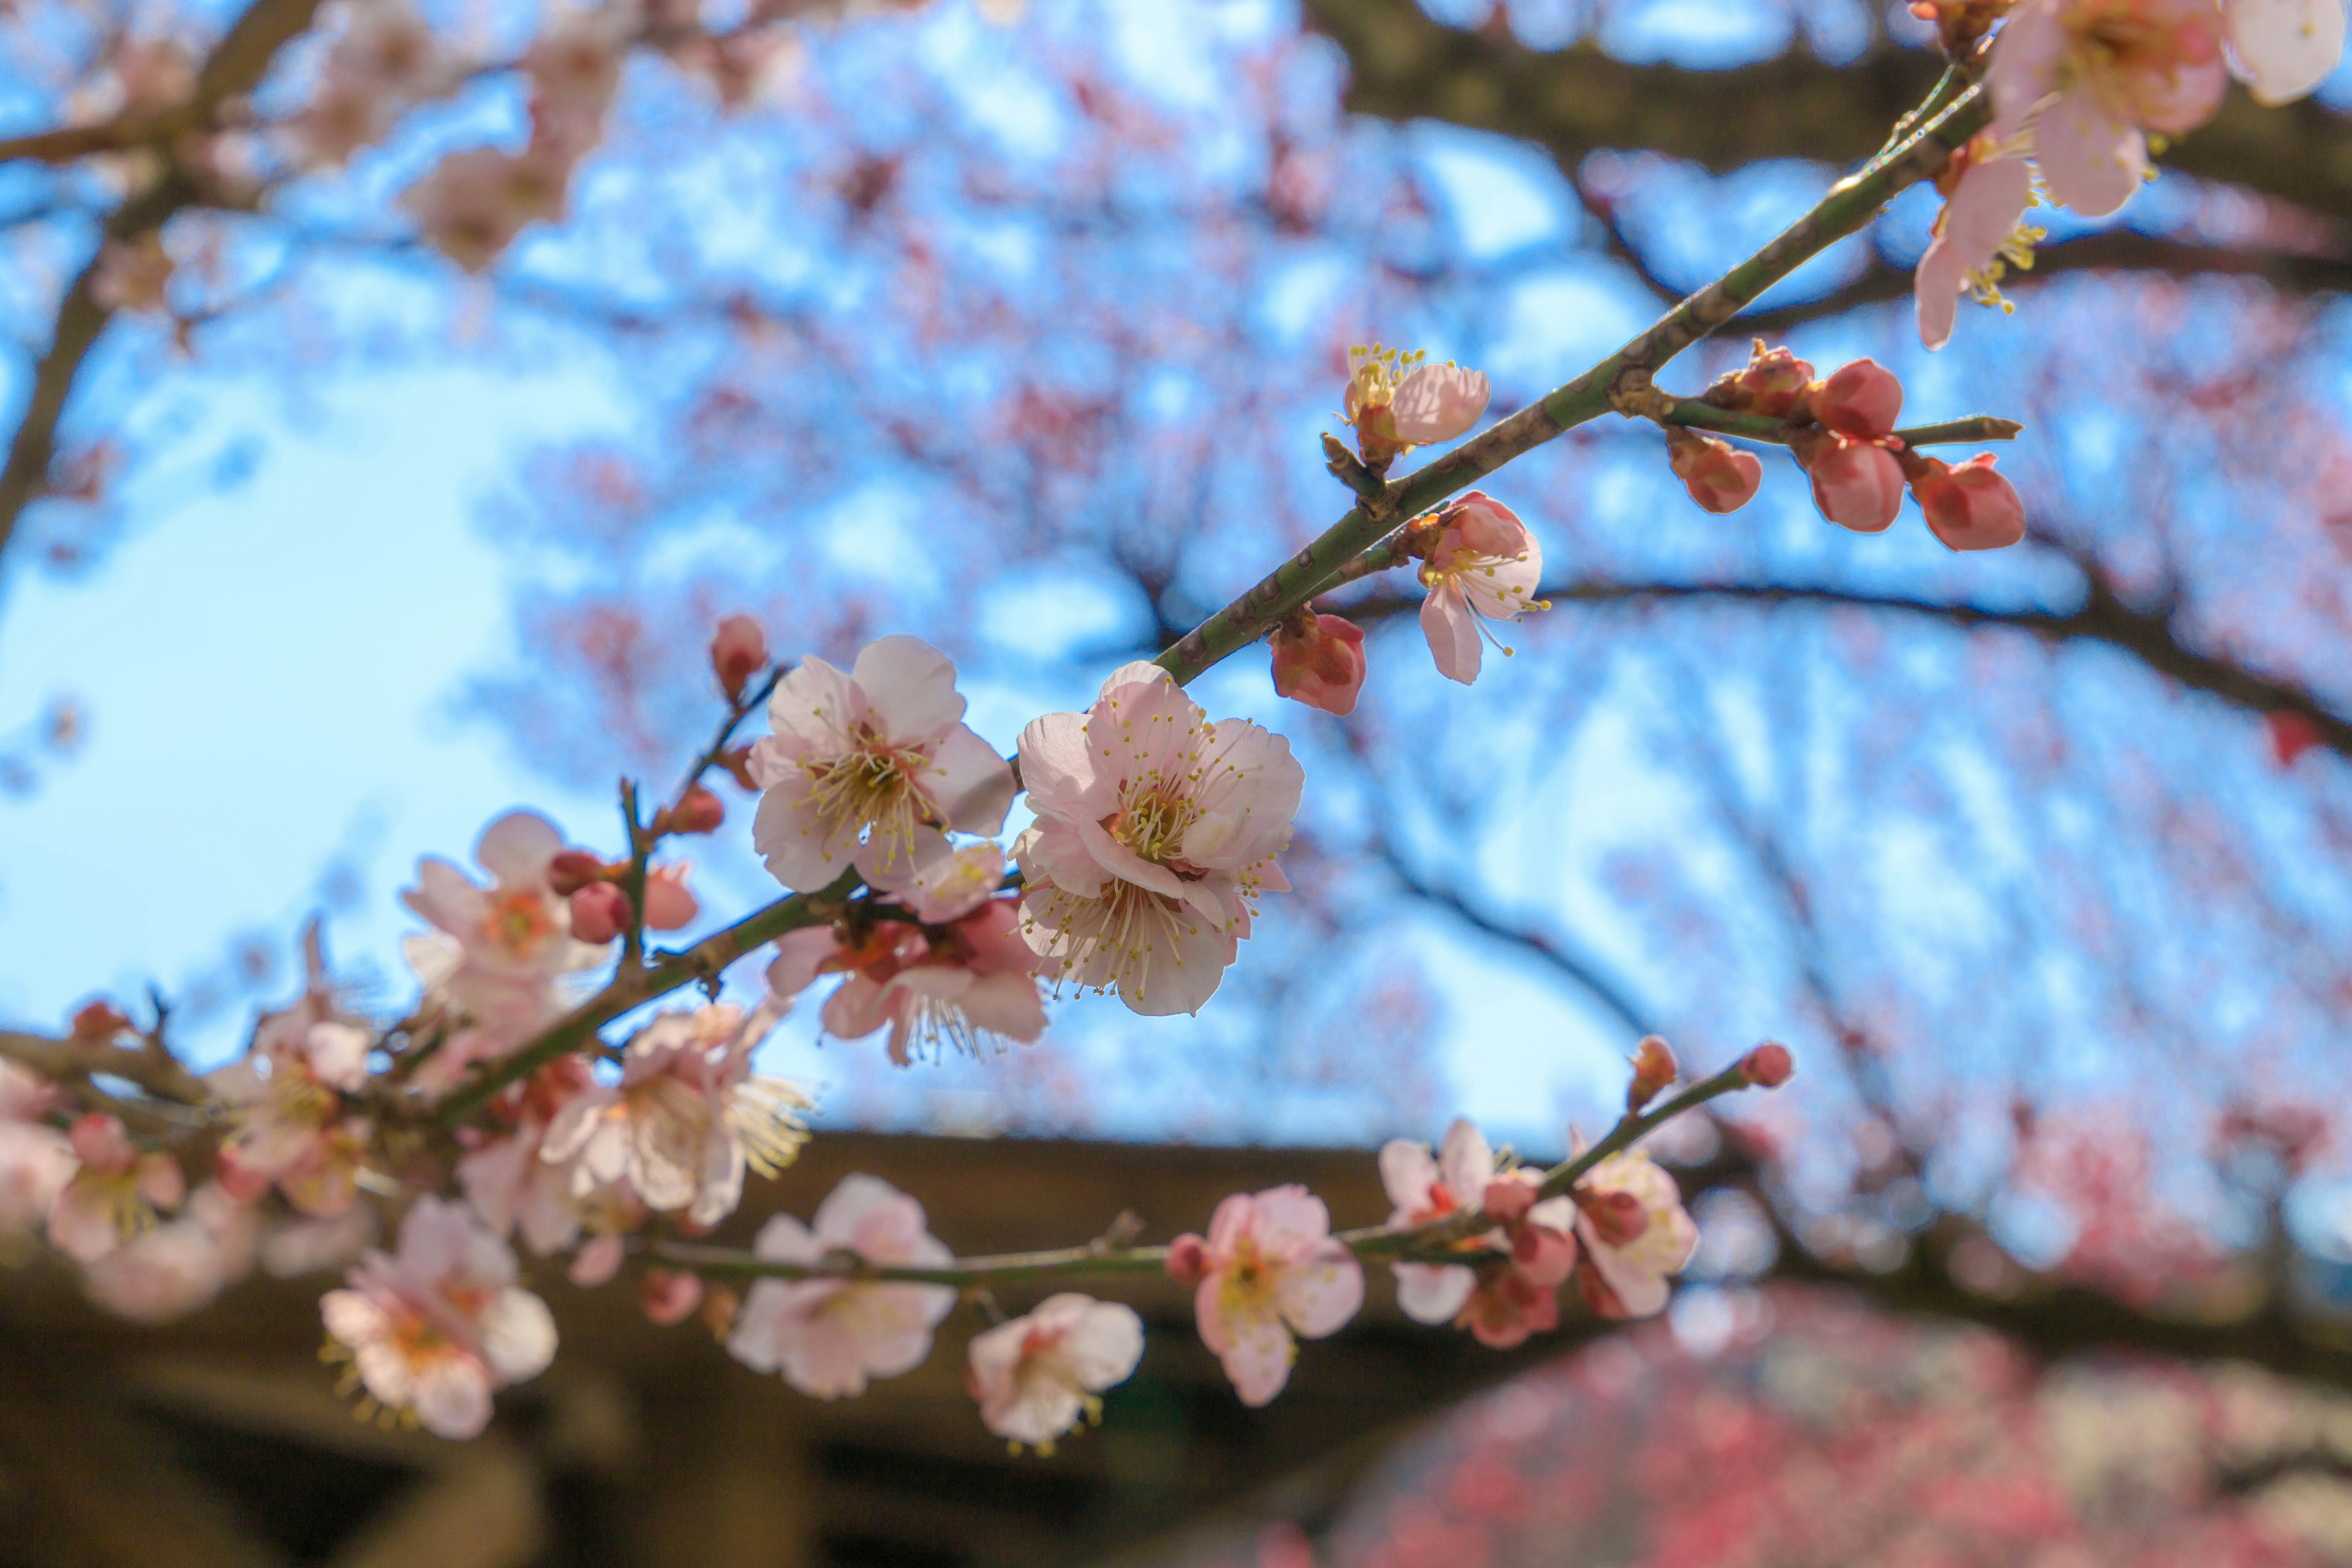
point(77, 1060)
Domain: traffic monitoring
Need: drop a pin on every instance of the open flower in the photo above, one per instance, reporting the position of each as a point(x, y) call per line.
point(115, 1193)
point(827, 1337)
point(1156, 831)
point(870, 768)
point(437, 1326)
point(1480, 564)
point(1038, 1375)
point(967, 984)
point(1271, 1269)
point(1397, 402)
point(508, 944)
point(1629, 1218)
point(1978, 236)
point(288, 1099)
point(173, 1269)
point(2091, 77)
point(1425, 1187)
point(686, 1117)
point(2283, 48)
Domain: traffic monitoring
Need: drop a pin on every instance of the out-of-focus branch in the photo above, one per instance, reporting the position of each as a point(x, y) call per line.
point(77, 1060)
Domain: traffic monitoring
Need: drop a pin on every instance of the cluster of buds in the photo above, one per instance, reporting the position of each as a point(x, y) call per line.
point(601, 906)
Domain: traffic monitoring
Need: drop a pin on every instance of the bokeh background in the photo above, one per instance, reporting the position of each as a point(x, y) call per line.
point(1015, 328)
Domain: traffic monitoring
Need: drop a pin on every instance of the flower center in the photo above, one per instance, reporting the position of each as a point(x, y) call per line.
point(873, 784)
point(519, 922)
point(1152, 824)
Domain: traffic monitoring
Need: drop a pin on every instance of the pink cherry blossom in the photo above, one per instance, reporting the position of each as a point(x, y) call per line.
point(828, 1337)
point(1041, 1373)
point(1719, 477)
point(687, 1118)
point(2284, 48)
point(287, 1103)
point(1397, 402)
point(2090, 77)
point(1629, 1218)
point(1978, 234)
point(1968, 505)
point(1272, 1269)
point(512, 1188)
point(115, 1193)
point(509, 943)
point(1319, 660)
point(967, 984)
point(1425, 1187)
point(870, 768)
point(175, 1268)
point(1481, 565)
point(1856, 484)
point(439, 1325)
point(1156, 831)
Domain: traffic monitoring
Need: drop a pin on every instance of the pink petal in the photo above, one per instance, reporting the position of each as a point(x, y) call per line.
point(2091, 161)
point(1056, 769)
point(790, 837)
point(813, 710)
point(2284, 48)
point(799, 955)
point(1432, 1293)
point(1467, 1161)
point(1257, 1355)
point(910, 686)
point(1436, 403)
point(1453, 633)
point(973, 785)
point(1408, 1170)
point(517, 847)
point(1322, 1292)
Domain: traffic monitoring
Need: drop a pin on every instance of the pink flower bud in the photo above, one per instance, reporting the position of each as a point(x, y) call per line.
point(1654, 1070)
point(1860, 399)
point(1618, 1218)
point(1544, 1256)
point(99, 1021)
point(1719, 477)
point(669, 904)
point(738, 653)
point(697, 811)
point(600, 911)
point(1485, 526)
point(669, 1297)
point(1507, 1201)
point(1774, 382)
point(1856, 484)
point(1969, 506)
point(1188, 1259)
point(1322, 664)
point(573, 869)
point(1768, 1066)
point(2292, 734)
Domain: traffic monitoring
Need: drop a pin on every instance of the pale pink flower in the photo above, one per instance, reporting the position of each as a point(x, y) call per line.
point(1271, 1269)
point(516, 1191)
point(2090, 77)
point(287, 1102)
point(1719, 477)
point(1483, 565)
point(1156, 831)
point(2283, 48)
point(827, 1337)
point(1629, 1257)
point(871, 768)
point(1978, 235)
point(474, 202)
point(1040, 1375)
point(1425, 1187)
point(1968, 505)
point(1319, 660)
point(511, 942)
point(437, 1326)
point(687, 1118)
point(968, 984)
point(115, 1194)
point(175, 1268)
point(1397, 402)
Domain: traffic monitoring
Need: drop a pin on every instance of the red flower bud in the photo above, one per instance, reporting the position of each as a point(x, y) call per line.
point(1320, 663)
point(1774, 382)
point(573, 869)
point(1188, 1258)
point(1719, 477)
point(1618, 1218)
point(1860, 399)
point(600, 911)
point(1857, 484)
point(697, 811)
point(99, 1021)
point(669, 1297)
point(1969, 506)
point(2292, 734)
point(738, 653)
point(1654, 1070)
point(1768, 1066)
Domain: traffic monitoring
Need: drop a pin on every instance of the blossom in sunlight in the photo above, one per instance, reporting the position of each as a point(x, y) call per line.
point(1980, 234)
point(1156, 831)
point(1399, 401)
point(1271, 1272)
point(687, 1118)
point(432, 1329)
point(1422, 1187)
point(1040, 1375)
point(171, 1269)
point(1720, 476)
point(1319, 660)
point(2283, 48)
point(508, 944)
point(2090, 78)
point(1629, 1218)
point(1856, 484)
point(967, 984)
point(115, 1193)
point(287, 1101)
point(871, 768)
point(1479, 565)
point(828, 1337)
point(1968, 505)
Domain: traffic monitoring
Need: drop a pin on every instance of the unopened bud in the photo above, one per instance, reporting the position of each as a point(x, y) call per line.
point(697, 811)
point(1188, 1259)
point(1768, 1066)
point(1618, 1218)
point(1719, 477)
point(573, 869)
point(99, 1021)
point(738, 652)
point(600, 911)
point(669, 1295)
point(1856, 484)
point(1319, 660)
point(1507, 1200)
point(1859, 399)
point(1774, 383)
point(1654, 1070)
point(1967, 505)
